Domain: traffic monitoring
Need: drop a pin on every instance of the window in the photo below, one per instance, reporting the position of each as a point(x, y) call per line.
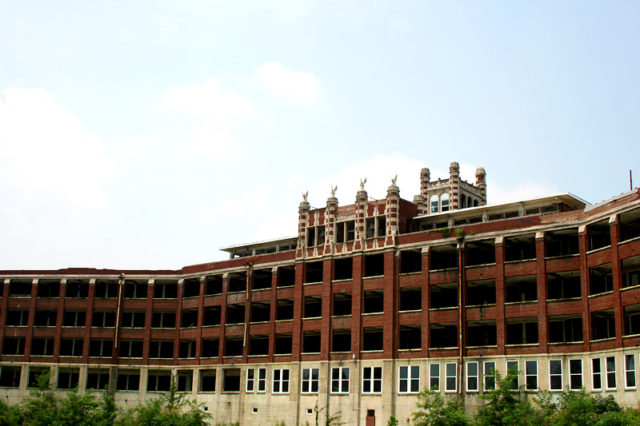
point(100, 348)
point(565, 330)
point(310, 380)
point(434, 377)
point(74, 319)
point(71, 347)
point(34, 374)
point(207, 380)
point(444, 202)
point(376, 226)
point(251, 379)
point(165, 290)
point(280, 380)
point(48, 288)
point(68, 379)
point(13, 346)
point(104, 319)
point(18, 317)
point(451, 379)
point(128, 380)
point(611, 372)
point(340, 380)
point(45, 319)
point(106, 289)
point(435, 204)
point(512, 368)
point(555, 375)
point(133, 320)
point(187, 349)
point(42, 347)
point(159, 381)
point(135, 290)
point(184, 380)
point(163, 320)
point(372, 380)
point(409, 381)
point(575, 374)
point(98, 379)
point(131, 348)
point(596, 374)
point(262, 379)
point(231, 380)
point(77, 289)
point(10, 377)
point(629, 372)
point(315, 235)
point(531, 374)
point(472, 376)
point(161, 349)
point(489, 375)
point(345, 231)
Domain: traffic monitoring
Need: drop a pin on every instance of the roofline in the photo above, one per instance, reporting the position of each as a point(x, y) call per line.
point(230, 249)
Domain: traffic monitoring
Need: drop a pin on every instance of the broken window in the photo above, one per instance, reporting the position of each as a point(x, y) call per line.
point(342, 304)
point(410, 261)
point(165, 290)
point(98, 379)
point(71, 347)
point(13, 346)
point(260, 311)
point(184, 380)
point(373, 301)
point(631, 271)
point(480, 253)
point(603, 324)
point(34, 375)
point(372, 339)
point(68, 378)
point(18, 317)
point(343, 268)
point(631, 319)
point(233, 346)
point(10, 377)
point(630, 225)
point(521, 331)
point(312, 306)
point(211, 316)
point(561, 243)
point(286, 276)
point(158, 381)
point(191, 287)
point(131, 349)
point(210, 348)
point(187, 349)
point(283, 344)
point(313, 272)
point(77, 288)
point(259, 345)
point(481, 333)
point(444, 257)
point(599, 234)
point(237, 281)
point(443, 336)
point(410, 298)
point(345, 231)
point(311, 341)
point(104, 319)
point(374, 265)
point(189, 318)
point(208, 381)
point(20, 288)
point(163, 320)
point(128, 380)
point(262, 279)
point(106, 289)
point(161, 349)
point(410, 337)
point(135, 289)
point(133, 319)
point(444, 296)
point(315, 236)
point(521, 289)
point(284, 310)
point(74, 319)
point(49, 288)
point(235, 313)
point(563, 329)
point(600, 279)
point(100, 347)
point(563, 285)
point(481, 292)
point(213, 285)
point(341, 340)
point(521, 247)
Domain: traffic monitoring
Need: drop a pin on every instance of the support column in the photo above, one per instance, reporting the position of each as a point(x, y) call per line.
point(541, 280)
point(584, 288)
point(391, 211)
point(454, 185)
point(32, 314)
point(426, 295)
point(3, 309)
point(59, 319)
point(330, 223)
point(303, 222)
point(500, 297)
point(361, 211)
point(616, 276)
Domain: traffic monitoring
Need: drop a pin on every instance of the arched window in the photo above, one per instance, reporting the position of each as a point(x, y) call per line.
point(435, 207)
point(475, 203)
point(463, 201)
point(444, 202)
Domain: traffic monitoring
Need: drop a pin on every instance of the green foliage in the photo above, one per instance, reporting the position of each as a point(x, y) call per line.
point(392, 421)
point(434, 411)
point(460, 233)
point(506, 405)
point(445, 232)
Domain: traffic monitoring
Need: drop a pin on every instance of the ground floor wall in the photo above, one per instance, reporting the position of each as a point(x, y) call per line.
point(360, 392)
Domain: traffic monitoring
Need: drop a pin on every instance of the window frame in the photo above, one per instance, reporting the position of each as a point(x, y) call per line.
point(515, 385)
point(447, 389)
point(551, 375)
point(410, 379)
point(470, 376)
point(372, 380)
point(627, 371)
point(527, 363)
point(595, 373)
point(487, 377)
point(280, 383)
point(310, 381)
point(250, 380)
point(341, 381)
point(572, 374)
point(610, 373)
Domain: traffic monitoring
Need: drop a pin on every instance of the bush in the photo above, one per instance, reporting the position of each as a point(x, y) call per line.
point(434, 411)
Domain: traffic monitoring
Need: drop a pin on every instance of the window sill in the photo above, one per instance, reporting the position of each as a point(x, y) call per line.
point(372, 277)
point(444, 309)
point(410, 350)
point(529, 259)
point(484, 305)
point(629, 240)
point(313, 283)
point(365, 314)
point(408, 274)
point(625, 336)
point(342, 280)
point(442, 348)
point(595, 250)
point(371, 351)
point(481, 265)
point(562, 256)
point(521, 345)
point(524, 302)
point(629, 287)
point(564, 299)
point(605, 339)
point(577, 342)
point(451, 268)
point(402, 311)
point(604, 293)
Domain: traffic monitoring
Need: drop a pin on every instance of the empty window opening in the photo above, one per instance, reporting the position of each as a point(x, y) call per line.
point(233, 346)
point(10, 377)
point(341, 340)
point(13, 346)
point(18, 317)
point(481, 292)
point(191, 287)
point(74, 319)
point(480, 253)
point(284, 309)
point(158, 381)
point(106, 289)
point(258, 345)
point(315, 236)
point(128, 380)
point(376, 226)
point(211, 316)
point(286, 276)
point(373, 302)
point(48, 288)
point(521, 289)
point(481, 333)
point(603, 324)
point(262, 279)
point(100, 347)
point(237, 281)
point(563, 329)
point(343, 268)
point(213, 285)
point(631, 271)
point(71, 347)
point(189, 318)
point(630, 225)
point(68, 378)
point(372, 339)
point(135, 289)
point(283, 344)
point(130, 349)
point(35, 374)
point(235, 313)
point(165, 290)
point(311, 341)
point(522, 331)
point(260, 311)
point(313, 272)
point(42, 347)
point(163, 320)
point(312, 306)
point(410, 337)
point(374, 265)
point(444, 296)
point(104, 319)
point(20, 288)
point(208, 381)
point(161, 349)
point(187, 349)
point(599, 234)
point(342, 304)
point(410, 261)
point(77, 289)
point(600, 279)
point(444, 257)
point(561, 243)
point(522, 247)
point(210, 348)
point(563, 285)
point(185, 380)
point(345, 231)
point(410, 298)
point(631, 319)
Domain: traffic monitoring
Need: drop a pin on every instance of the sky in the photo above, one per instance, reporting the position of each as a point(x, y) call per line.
point(149, 134)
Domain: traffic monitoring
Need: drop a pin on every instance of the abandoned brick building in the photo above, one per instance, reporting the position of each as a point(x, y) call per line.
point(369, 303)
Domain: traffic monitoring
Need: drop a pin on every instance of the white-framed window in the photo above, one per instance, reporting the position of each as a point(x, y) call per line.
point(489, 375)
point(310, 380)
point(611, 372)
point(444, 202)
point(555, 375)
point(629, 371)
point(340, 380)
point(472, 376)
point(451, 377)
point(596, 374)
point(513, 366)
point(531, 374)
point(435, 204)
point(409, 379)
point(575, 374)
point(371, 379)
point(434, 376)
point(280, 380)
point(250, 379)
point(262, 379)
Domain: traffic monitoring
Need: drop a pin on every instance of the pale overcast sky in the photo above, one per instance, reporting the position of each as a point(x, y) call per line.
point(148, 134)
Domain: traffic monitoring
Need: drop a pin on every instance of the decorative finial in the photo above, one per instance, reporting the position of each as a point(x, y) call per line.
point(362, 182)
point(394, 179)
point(304, 196)
point(333, 190)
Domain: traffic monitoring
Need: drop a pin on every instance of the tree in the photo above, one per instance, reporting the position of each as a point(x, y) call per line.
point(506, 405)
point(434, 411)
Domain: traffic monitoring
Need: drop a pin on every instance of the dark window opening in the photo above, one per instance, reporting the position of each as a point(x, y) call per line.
point(131, 349)
point(262, 279)
point(235, 314)
point(286, 276)
point(163, 320)
point(231, 380)
point(100, 348)
point(345, 231)
point(71, 347)
point(410, 261)
point(370, 226)
point(185, 380)
point(563, 285)
point(522, 247)
point(42, 347)
point(444, 257)
point(98, 379)
point(161, 349)
point(19, 288)
point(374, 265)
point(565, 330)
point(444, 296)
point(211, 316)
point(237, 282)
point(283, 344)
point(213, 285)
point(599, 234)
point(68, 379)
point(312, 306)
point(521, 289)
point(631, 320)
point(630, 225)
point(128, 380)
point(207, 380)
point(373, 302)
point(481, 333)
point(480, 253)
point(106, 289)
point(34, 374)
point(260, 311)
point(372, 339)
point(259, 345)
point(311, 342)
point(443, 336)
point(562, 243)
point(158, 381)
point(187, 349)
point(342, 304)
point(13, 346)
point(343, 268)
point(135, 289)
point(631, 271)
point(133, 319)
point(49, 288)
point(189, 318)
point(600, 279)
point(191, 287)
point(313, 272)
point(210, 348)
point(10, 377)
point(410, 337)
point(104, 319)
point(410, 298)
point(603, 324)
point(522, 331)
point(77, 288)
point(17, 317)
point(165, 290)
point(74, 319)
point(284, 310)
point(481, 292)
point(341, 340)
